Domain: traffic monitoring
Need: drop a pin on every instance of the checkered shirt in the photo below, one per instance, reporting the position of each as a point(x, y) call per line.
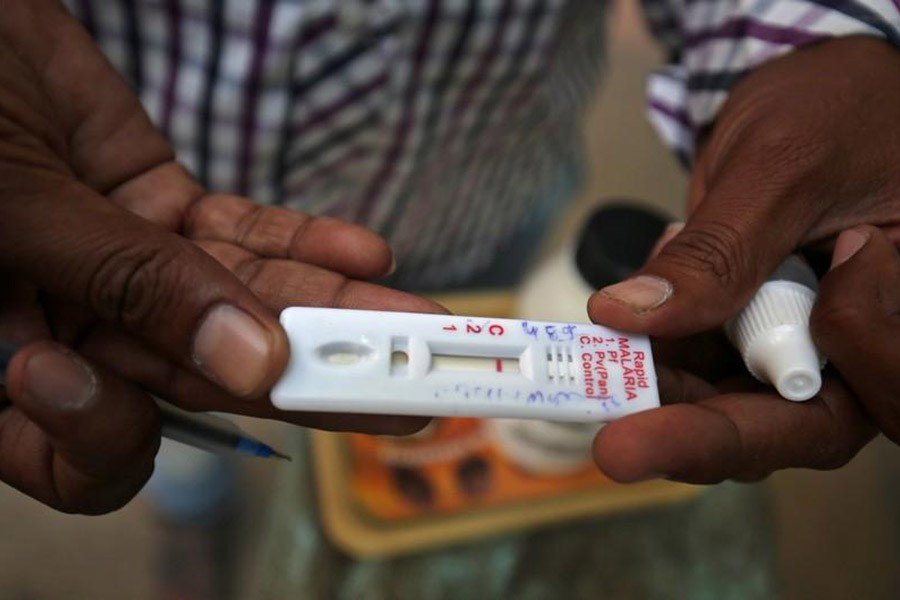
point(446, 125)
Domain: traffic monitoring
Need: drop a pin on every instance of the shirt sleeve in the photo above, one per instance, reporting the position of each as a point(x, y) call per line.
point(712, 44)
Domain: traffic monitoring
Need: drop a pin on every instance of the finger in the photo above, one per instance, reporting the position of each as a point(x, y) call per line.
point(132, 361)
point(162, 195)
point(668, 234)
point(710, 270)
point(742, 436)
point(283, 283)
point(66, 320)
point(155, 283)
point(856, 322)
point(274, 232)
point(677, 386)
point(708, 355)
point(77, 439)
point(93, 116)
point(168, 196)
point(21, 317)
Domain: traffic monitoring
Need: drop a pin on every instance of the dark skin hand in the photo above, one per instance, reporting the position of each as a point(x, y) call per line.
point(122, 277)
point(804, 149)
point(856, 322)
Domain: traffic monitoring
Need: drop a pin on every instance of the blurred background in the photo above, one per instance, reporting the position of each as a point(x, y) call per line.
point(836, 535)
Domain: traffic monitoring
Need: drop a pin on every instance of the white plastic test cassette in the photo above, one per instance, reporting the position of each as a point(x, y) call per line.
point(438, 365)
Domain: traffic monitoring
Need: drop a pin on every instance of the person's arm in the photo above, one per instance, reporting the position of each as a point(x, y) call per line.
point(856, 322)
point(799, 144)
point(713, 44)
point(120, 277)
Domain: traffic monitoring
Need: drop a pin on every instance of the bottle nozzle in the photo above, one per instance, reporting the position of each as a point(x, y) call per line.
point(772, 334)
point(800, 385)
point(785, 357)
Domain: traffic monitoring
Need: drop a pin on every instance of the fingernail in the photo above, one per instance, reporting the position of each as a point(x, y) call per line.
point(233, 348)
point(58, 380)
point(671, 230)
point(848, 243)
point(393, 268)
point(641, 294)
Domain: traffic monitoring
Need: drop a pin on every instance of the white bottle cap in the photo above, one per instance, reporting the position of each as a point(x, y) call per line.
point(772, 335)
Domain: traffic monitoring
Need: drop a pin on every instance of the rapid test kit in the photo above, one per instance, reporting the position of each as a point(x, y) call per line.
point(360, 361)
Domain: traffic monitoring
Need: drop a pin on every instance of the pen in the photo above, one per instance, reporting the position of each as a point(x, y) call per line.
point(212, 433)
point(204, 431)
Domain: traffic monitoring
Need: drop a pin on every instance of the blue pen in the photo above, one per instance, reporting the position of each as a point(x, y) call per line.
point(199, 430)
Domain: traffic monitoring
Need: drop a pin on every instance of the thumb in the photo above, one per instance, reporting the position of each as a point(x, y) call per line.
point(701, 277)
point(70, 242)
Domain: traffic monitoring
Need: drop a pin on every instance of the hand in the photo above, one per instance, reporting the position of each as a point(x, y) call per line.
point(794, 159)
point(733, 429)
point(95, 218)
point(856, 322)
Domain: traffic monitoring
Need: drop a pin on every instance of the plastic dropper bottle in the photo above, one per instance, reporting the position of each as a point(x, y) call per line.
point(772, 332)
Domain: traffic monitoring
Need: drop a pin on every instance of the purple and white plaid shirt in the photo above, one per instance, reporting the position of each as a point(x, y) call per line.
point(447, 125)
point(712, 44)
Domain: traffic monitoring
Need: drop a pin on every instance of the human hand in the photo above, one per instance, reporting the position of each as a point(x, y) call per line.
point(794, 159)
point(856, 322)
point(734, 428)
point(94, 221)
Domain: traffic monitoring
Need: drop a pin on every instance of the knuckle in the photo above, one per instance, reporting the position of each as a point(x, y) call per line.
point(130, 285)
point(251, 271)
point(300, 225)
point(249, 223)
point(199, 216)
point(716, 250)
point(346, 294)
